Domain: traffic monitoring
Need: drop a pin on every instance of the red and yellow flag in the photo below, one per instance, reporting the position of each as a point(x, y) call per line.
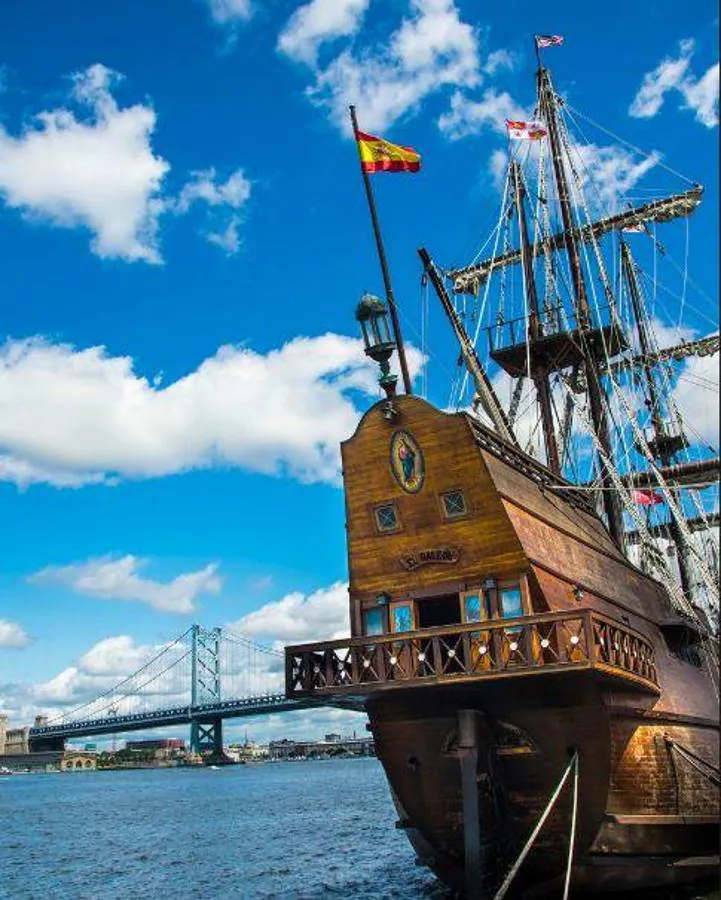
point(379, 155)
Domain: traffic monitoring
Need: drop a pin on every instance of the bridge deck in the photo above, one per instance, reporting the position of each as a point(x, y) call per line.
point(182, 715)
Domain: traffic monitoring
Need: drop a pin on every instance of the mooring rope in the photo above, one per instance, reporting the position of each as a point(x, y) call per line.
point(714, 776)
point(573, 764)
point(572, 838)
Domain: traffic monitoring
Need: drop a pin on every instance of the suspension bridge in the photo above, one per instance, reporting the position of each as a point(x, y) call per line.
point(201, 678)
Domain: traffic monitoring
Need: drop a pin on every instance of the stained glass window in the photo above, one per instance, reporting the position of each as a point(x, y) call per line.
point(374, 620)
point(386, 517)
point(454, 504)
point(472, 608)
point(402, 618)
point(510, 604)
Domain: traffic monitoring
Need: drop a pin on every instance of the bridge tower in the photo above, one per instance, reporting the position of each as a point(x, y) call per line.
point(206, 731)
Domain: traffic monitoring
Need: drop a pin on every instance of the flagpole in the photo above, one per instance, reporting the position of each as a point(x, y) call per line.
point(538, 51)
point(384, 266)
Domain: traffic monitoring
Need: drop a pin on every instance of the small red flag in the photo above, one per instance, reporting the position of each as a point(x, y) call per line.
point(646, 498)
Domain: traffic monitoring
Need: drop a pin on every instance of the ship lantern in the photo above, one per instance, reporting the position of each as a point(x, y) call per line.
point(372, 315)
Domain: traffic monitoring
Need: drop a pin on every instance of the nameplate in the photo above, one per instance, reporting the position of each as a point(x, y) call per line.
point(446, 555)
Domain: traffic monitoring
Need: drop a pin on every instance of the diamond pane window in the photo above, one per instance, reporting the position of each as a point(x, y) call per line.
point(454, 504)
point(386, 517)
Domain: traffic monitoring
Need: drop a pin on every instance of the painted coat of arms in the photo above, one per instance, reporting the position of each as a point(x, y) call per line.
point(407, 462)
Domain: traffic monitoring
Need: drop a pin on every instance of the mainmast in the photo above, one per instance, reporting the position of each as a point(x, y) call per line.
point(547, 104)
point(539, 372)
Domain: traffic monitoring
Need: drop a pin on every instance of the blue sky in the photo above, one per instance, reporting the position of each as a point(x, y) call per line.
point(184, 238)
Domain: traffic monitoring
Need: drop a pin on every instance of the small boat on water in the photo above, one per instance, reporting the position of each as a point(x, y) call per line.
point(534, 582)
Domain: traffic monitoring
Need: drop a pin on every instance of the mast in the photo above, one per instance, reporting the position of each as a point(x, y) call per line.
point(539, 372)
point(595, 390)
point(484, 388)
point(664, 445)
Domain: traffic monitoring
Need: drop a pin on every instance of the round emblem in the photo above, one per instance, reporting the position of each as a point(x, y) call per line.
point(407, 462)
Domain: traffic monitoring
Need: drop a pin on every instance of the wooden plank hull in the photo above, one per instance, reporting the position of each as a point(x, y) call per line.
point(642, 819)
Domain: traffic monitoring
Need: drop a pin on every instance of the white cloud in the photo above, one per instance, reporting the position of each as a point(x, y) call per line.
point(298, 617)
point(608, 173)
point(225, 197)
point(12, 635)
point(431, 49)
point(118, 579)
point(697, 396)
point(497, 60)
point(468, 117)
point(230, 12)
point(319, 22)
point(702, 96)
point(116, 657)
point(71, 417)
point(92, 678)
point(203, 187)
point(672, 74)
point(99, 172)
point(95, 168)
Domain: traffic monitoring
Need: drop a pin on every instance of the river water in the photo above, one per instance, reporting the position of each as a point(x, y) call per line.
point(291, 830)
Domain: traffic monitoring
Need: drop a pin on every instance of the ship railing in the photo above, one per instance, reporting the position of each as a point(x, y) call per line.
point(542, 643)
point(554, 320)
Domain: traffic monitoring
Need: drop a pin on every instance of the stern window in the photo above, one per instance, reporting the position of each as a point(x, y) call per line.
point(374, 620)
point(454, 504)
point(386, 517)
point(510, 603)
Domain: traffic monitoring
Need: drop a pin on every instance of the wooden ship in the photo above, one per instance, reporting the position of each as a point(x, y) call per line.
point(540, 675)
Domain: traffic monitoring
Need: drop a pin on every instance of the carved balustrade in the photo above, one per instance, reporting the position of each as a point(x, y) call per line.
point(542, 643)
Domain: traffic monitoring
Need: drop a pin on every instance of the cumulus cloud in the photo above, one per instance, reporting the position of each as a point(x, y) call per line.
point(430, 49)
point(98, 172)
point(701, 95)
point(299, 617)
point(71, 417)
point(468, 117)
point(12, 635)
point(119, 579)
point(95, 168)
point(608, 173)
point(93, 678)
point(317, 23)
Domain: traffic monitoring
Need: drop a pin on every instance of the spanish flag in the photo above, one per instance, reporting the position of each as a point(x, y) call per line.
point(379, 155)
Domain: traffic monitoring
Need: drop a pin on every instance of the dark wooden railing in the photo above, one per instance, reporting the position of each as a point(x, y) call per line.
point(544, 643)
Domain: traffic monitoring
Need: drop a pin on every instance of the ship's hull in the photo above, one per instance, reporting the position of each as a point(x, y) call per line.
point(645, 819)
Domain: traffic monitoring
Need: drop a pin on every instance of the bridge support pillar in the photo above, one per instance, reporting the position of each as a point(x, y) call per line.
point(206, 737)
point(206, 734)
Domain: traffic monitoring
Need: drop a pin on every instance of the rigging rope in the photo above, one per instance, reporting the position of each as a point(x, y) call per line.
point(714, 775)
point(626, 144)
point(474, 339)
point(64, 716)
